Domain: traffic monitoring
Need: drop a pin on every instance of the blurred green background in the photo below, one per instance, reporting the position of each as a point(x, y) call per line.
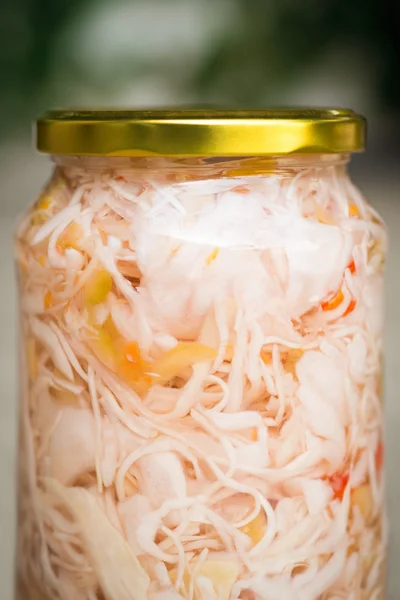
point(235, 52)
point(247, 53)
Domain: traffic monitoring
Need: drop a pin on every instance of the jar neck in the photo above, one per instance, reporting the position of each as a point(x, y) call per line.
point(181, 169)
point(295, 161)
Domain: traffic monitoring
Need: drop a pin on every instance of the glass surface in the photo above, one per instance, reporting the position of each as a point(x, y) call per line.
point(201, 411)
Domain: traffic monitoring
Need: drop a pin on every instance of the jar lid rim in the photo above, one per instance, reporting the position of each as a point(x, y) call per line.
point(200, 132)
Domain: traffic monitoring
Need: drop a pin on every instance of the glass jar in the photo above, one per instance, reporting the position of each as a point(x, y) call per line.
point(201, 405)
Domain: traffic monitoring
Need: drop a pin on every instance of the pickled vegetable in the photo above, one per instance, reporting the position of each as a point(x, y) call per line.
point(201, 415)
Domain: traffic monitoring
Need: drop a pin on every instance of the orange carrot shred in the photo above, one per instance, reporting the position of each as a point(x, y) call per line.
point(353, 210)
point(266, 356)
point(254, 434)
point(350, 307)
point(242, 190)
point(333, 302)
point(338, 483)
point(48, 299)
point(352, 267)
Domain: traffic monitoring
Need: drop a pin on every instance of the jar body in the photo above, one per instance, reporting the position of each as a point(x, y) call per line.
point(201, 409)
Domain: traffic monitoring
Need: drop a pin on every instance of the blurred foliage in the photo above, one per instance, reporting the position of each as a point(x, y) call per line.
point(270, 43)
point(28, 30)
point(302, 31)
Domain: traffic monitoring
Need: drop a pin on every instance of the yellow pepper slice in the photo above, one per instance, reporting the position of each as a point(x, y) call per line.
point(71, 237)
point(211, 257)
point(104, 347)
point(182, 356)
point(221, 573)
point(256, 528)
point(362, 498)
point(97, 288)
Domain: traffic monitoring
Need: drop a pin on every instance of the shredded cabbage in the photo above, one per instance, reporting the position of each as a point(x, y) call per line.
point(202, 404)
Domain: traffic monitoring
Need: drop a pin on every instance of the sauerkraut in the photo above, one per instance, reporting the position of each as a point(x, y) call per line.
point(201, 382)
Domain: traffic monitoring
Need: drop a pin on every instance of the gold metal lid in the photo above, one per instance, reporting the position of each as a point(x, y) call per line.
point(200, 132)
